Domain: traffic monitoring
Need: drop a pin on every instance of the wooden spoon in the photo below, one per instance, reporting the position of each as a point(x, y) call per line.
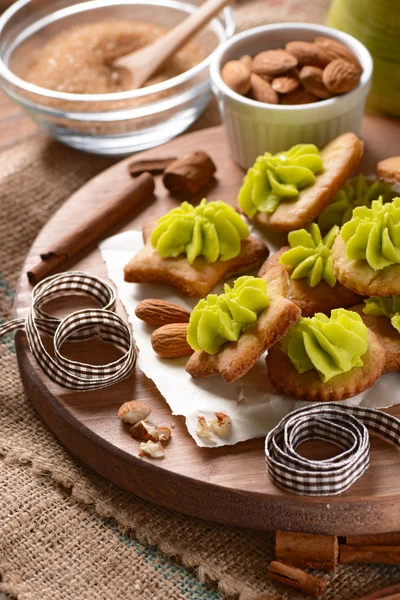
point(143, 63)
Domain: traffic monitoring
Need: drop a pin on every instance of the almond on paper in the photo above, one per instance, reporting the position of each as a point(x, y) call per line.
point(341, 76)
point(330, 50)
point(161, 312)
point(273, 62)
point(132, 412)
point(203, 428)
point(169, 341)
point(311, 78)
point(262, 90)
point(299, 96)
point(285, 84)
point(221, 425)
point(236, 75)
point(306, 53)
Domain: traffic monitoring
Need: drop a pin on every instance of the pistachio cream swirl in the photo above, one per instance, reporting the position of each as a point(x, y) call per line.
point(277, 177)
point(384, 306)
point(213, 231)
point(310, 255)
point(329, 345)
point(373, 234)
point(222, 318)
point(357, 192)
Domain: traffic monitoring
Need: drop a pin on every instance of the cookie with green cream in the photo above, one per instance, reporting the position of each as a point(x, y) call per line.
point(193, 248)
point(230, 332)
point(381, 314)
point(288, 190)
point(308, 261)
point(326, 358)
point(366, 254)
point(359, 191)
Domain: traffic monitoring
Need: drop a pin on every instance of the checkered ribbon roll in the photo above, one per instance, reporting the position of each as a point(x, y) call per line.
point(78, 326)
point(344, 426)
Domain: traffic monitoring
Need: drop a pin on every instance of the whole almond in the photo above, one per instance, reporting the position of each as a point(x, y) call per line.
point(306, 53)
point(311, 78)
point(170, 340)
point(329, 50)
point(237, 76)
point(299, 96)
point(161, 312)
point(246, 60)
point(285, 84)
point(262, 90)
point(341, 76)
point(273, 62)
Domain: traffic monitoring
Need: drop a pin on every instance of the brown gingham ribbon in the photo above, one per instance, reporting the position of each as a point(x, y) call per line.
point(344, 426)
point(78, 326)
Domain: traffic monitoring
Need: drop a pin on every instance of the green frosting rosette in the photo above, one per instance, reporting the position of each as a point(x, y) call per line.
point(384, 306)
point(329, 345)
point(219, 319)
point(310, 255)
point(277, 177)
point(357, 192)
point(373, 234)
point(213, 230)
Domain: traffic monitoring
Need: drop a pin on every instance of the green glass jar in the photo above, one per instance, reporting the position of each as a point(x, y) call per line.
point(376, 23)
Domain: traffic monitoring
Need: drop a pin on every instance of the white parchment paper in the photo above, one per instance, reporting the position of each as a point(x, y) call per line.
point(251, 402)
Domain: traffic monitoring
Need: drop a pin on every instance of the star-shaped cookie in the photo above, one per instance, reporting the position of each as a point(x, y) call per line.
point(197, 279)
point(340, 158)
point(235, 359)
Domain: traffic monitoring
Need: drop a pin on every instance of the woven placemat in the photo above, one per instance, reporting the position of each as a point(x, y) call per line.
point(66, 533)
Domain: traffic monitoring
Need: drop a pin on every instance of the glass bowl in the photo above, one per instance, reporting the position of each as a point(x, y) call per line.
point(117, 123)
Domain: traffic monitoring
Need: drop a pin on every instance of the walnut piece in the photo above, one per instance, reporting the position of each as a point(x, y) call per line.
point(152, 449)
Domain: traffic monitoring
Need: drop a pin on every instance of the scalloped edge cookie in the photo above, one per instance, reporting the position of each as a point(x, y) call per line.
point(321, 298)
point(195, 280)
point(308, 386)
point(235, 359)
point(340, 157)
point(359, 277)
point(387, 336)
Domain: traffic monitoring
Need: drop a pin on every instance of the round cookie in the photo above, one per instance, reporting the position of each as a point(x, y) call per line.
point(359, 277)
point(308, 386)
point(321, 298)
point(387, 335)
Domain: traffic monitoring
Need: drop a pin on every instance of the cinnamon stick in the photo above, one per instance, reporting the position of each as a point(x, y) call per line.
point(388, 593)
point(375, 539)
point(189, 174)
point(387, 555)
point(296, 578)
point(154, 166)
point(307, 550)
point(92, 228)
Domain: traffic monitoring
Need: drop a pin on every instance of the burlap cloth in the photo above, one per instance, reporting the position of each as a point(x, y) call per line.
point(65, 533)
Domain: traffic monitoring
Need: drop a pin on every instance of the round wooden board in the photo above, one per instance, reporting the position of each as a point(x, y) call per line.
point(229, 484)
